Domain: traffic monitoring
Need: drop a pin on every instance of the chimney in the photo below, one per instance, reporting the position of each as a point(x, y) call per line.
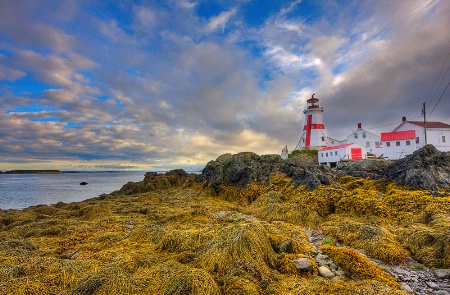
point(359, 125)
point(404, 119)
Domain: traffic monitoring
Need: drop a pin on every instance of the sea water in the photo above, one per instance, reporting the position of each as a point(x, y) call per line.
point(18, 191)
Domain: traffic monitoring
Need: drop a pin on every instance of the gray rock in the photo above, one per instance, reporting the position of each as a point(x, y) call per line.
point(441, 273)
point(406, 288)
point(240, 169)
point(303, 264)
point(333, 266)
point(340, 272)
point(426, 168)
point(364, 168)
point(322, 259)
point(245, 168)
point(432, 285)
point(326, 272)
point(441, 292)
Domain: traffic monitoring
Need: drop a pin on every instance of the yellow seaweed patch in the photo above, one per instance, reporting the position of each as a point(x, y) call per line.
point(376, 240)
point(356, 264)
point(191, 281)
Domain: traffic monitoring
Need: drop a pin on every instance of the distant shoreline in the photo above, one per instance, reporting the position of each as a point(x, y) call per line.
point(31, 172)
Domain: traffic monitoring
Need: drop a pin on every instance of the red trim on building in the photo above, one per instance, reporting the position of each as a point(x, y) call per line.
point(336, 147)
point(399, 135)
point(308, 131)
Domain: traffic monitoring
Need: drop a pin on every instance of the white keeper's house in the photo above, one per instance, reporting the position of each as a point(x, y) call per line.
point(396, 145)
point(438, 133)
point(365, 138)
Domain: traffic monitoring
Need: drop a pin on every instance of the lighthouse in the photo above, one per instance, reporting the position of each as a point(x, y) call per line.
point(314, 134)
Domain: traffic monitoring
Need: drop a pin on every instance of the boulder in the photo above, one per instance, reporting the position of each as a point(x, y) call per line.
point(426, 168)
point(240, 169)
point(441, 273)
point(325, 272)
point(306, 171)
point(245, 168)
point(303, 264)
point(372, 168)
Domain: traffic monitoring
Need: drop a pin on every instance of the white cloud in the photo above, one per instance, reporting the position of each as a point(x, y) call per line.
point(221, 20)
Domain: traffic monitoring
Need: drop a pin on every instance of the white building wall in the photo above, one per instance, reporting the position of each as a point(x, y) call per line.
point(364, 138)
point(434, 136)
point(397, 149)
point(338, 154)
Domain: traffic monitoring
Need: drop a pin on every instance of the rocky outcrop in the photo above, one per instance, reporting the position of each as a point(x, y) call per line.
point(364, 168)
point(426, 168)
point(244, 168)
point(240, 169)
point(154, 181)
point(306, 171)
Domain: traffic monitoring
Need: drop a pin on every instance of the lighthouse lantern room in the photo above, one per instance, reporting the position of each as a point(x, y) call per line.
point(314, 134)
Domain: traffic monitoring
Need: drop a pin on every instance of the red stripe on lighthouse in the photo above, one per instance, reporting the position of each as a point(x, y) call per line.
point(314, 126)
point(308, 131)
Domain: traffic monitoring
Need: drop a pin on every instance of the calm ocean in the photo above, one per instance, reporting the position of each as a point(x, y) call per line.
point(18, 191)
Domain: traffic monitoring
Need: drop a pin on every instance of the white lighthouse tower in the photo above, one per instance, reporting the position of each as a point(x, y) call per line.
point(314, 134)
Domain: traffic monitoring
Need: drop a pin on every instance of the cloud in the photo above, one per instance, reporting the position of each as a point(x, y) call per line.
point(221, 20)
point(10, 74)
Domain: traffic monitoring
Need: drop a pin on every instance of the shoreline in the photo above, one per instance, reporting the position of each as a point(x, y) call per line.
point(31, 172)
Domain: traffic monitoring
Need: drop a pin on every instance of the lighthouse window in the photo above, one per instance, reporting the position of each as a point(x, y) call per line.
point(356, 135)
point(417, 140)
point(367, 143)
point(364, 135)
point(323, 138)
point(397, 143)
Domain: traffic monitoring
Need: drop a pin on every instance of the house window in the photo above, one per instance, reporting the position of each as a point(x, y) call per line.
point(377, 144)
point(327, 155)
point(397, 143)
point(443, 138)
point(368, 144)
point(356, 135)
point(364, 135)
point(335, 153)
point(388, 144)
point(303, 140)
point(408, 142)
point(417, 139)
point(321, 155)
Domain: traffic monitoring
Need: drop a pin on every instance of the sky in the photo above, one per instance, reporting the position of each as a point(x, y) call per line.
point(158, 85)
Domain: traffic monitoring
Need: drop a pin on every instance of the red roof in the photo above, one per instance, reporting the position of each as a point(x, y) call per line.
point(312, 99)
point(430, 124)
point(336, 147)
point(408, 134)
